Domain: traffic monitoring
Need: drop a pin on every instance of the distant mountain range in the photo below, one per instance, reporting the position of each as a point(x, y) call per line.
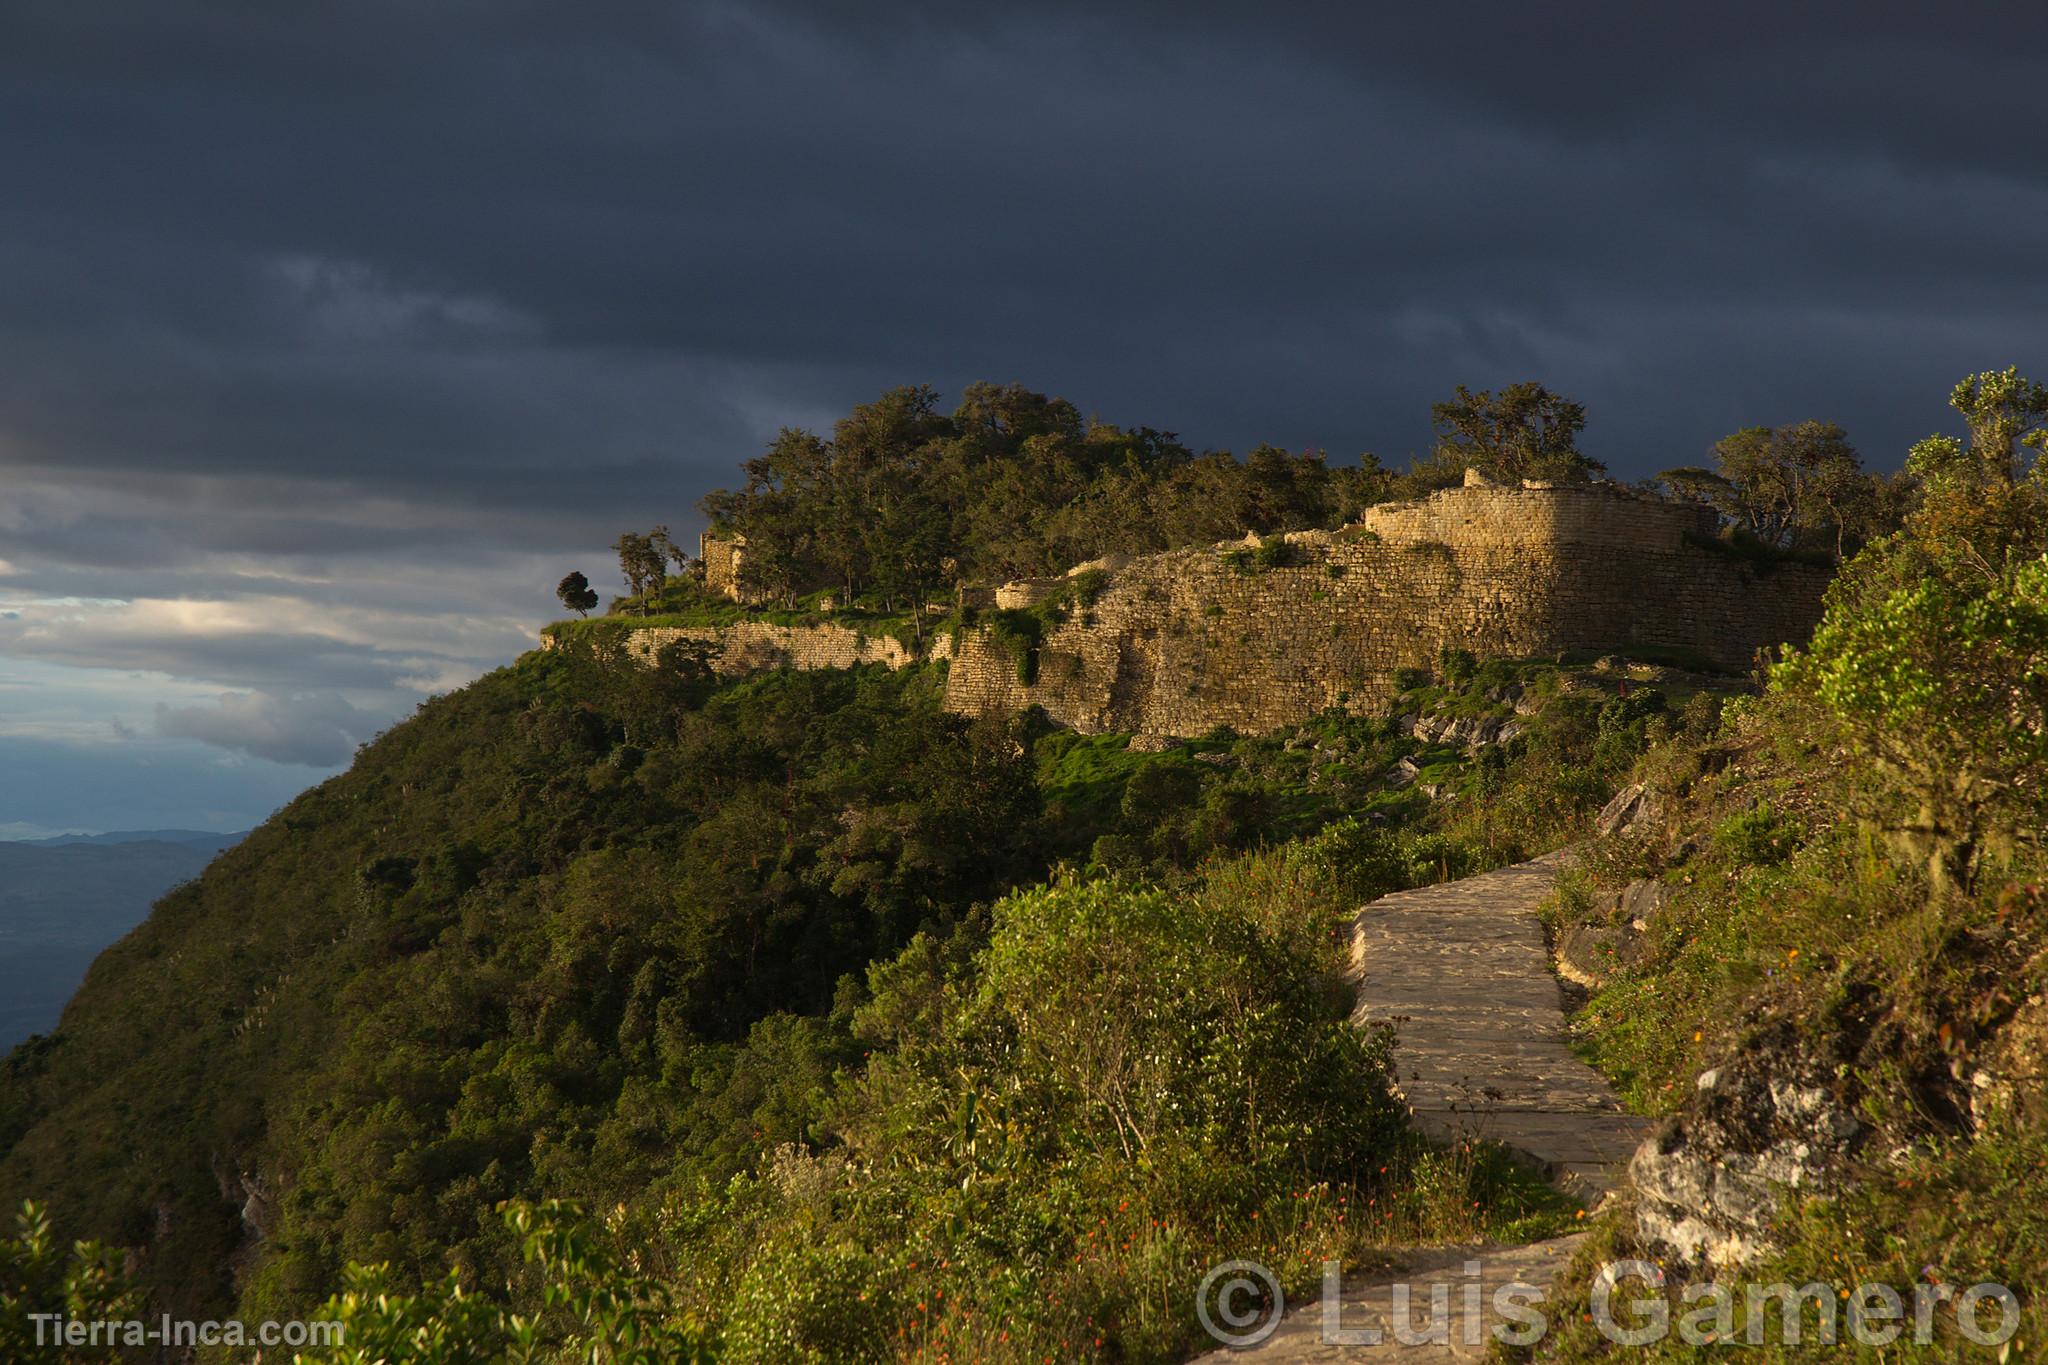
point(64, 899)
point(211, 840)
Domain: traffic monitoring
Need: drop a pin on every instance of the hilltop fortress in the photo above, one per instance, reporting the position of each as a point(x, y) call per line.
point(1258, 634)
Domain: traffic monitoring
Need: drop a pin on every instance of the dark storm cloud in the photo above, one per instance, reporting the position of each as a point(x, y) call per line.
point(363, 323)
point(418, 243)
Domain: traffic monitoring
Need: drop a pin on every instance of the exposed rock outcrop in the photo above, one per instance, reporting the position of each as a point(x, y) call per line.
point(1710, 1182)
point(1468, 732)
point(1592, 949)
point(1633, 807)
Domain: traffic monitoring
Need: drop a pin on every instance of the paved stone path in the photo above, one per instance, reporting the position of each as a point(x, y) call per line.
point(1462, 972)
point(1304, 1336)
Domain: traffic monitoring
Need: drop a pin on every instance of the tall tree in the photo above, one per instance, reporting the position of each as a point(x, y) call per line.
point(671, 553)
point(1523, 432)
point(1692, 483)
point(642, 564)
point(1970, 497)
point(2006, 413)
point(1802, 484)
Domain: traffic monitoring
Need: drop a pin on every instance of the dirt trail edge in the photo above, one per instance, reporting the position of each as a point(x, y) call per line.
point(1462, 973)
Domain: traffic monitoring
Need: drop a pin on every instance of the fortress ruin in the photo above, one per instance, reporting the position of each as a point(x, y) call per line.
point(1260, 634)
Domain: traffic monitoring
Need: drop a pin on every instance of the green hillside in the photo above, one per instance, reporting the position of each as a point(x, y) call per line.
point(612, 1013)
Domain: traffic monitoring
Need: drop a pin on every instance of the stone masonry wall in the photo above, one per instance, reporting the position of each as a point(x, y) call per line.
point(752, 646)
point(1178, 643)
point(720, 555)
point(1181, 642)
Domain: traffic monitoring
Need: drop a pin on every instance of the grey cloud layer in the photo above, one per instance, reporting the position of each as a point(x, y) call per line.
point(583, 215)
point(317, 729)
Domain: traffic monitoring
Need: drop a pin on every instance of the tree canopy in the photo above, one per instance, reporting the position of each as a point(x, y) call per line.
point(1523, 432)
point(904, 501)
point(576, 593)
point(1801, 486)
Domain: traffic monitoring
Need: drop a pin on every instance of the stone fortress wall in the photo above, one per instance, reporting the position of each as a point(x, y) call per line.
point(1177, 643)
point(721, 556)
point(753, 646)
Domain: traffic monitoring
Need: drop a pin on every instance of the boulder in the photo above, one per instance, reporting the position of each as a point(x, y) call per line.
point(1589, 954)
point(1633, 807)
point(1640, 901)
point(1710, 1182)
point(1488, 730)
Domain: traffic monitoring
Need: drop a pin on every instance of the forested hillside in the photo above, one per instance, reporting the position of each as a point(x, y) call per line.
point(600, 1010)
point(620, 937)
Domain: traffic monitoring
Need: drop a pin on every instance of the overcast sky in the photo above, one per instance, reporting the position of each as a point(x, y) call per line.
point(331, 336)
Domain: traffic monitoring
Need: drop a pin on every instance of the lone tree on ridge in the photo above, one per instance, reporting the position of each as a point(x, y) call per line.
point(576, 594)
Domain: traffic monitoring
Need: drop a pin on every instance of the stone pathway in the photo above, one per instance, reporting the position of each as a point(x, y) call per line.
point(1444, 1275)
point(1462, 972)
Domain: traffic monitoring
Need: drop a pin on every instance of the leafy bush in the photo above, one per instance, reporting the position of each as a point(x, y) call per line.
point(593, 1308)
point(1274, 552)
point(1625, 726)
point(84, 1282)
point(1222, 1042)
point(1018, 634)
point(1757, 837)
point(1409, 679)
point(1700, 717)
point(1942, 681)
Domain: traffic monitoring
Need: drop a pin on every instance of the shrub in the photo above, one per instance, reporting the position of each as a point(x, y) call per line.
point(1160, 791)
point(596, 1308)
point(1456, 666)
point(1944, 684)
point(40, 1274)
point(1700, 717)
point(799, 1304)
point(1221, 1047)
point(1018, 634)
point(1274, 552)
point(1116, 853)
point(1623, 727)
point(1759, 836)
point(1086, 586)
